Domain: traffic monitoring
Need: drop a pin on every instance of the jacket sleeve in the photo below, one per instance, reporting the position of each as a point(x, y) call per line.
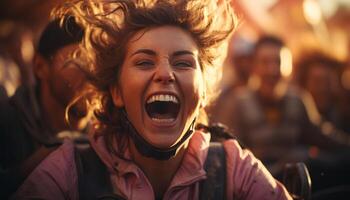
point(247, 177)
point(54, 178)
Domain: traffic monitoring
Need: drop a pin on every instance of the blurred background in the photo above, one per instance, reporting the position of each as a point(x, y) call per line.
point(21, 23)
point(302, 24)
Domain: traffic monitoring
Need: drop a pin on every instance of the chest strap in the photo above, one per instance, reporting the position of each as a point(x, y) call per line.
point(214, 187)
point(94, 179)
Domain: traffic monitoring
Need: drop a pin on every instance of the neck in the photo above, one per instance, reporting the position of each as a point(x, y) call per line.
point(159, 172)
point(267, 93)
point(53, 112)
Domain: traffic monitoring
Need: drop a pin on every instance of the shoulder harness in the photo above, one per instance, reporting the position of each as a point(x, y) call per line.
point(94, 179)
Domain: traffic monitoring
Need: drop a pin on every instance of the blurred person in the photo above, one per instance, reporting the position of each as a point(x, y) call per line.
point(13, 66)
point(241, 61)
point(151, 90)
point(273, 119)
point(318, 75)
point(32, 118)
point(266, 123)
point(241, 64)
point(269, 116)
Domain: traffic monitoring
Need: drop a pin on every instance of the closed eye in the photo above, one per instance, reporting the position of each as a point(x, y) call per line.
point(144, 63)
point(183, 64)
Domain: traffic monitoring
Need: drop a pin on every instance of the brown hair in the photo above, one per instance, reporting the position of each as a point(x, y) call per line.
point(110, 24)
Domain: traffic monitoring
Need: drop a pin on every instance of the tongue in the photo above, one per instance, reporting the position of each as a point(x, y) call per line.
point(162, 110)
point(162, 116)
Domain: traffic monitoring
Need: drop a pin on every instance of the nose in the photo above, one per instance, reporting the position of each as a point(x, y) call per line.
point(164, 74)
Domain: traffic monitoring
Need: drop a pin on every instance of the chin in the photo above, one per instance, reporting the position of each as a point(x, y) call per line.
point(163, 140)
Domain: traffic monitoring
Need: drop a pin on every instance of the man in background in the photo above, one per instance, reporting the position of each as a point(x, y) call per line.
point(32, 118)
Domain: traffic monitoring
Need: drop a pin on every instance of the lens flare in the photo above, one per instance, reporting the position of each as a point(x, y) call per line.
point(286, 62)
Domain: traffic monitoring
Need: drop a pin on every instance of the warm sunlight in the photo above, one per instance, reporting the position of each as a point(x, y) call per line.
point(286, 62)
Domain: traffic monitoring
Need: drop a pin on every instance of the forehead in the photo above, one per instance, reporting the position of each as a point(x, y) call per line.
point(164, 39)
point(64, 53)
point(63, 62)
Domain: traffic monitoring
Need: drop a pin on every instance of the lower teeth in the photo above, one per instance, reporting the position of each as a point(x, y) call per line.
point(163, 120)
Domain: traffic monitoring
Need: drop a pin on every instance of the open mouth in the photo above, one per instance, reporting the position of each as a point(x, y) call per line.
point(163, 107)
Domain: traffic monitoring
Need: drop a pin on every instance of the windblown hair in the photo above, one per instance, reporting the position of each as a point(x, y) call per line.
point(109, 25)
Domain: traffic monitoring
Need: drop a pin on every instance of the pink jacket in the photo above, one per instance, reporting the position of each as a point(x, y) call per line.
point(247, 178)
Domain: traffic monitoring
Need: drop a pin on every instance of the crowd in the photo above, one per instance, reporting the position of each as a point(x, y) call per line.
point(300, 119)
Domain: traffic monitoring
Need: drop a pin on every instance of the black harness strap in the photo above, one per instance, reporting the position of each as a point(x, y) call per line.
point(94, 179)
point(214, 187)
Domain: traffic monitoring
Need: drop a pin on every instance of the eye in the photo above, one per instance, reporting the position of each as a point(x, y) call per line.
point(144, 63)
point(183, 64)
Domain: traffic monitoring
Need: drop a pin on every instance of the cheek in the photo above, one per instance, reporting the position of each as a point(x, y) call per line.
point(194, 89)
point(73, 80)
point(132, 82)
point(200, 86)
point(61, 81)
point(132, 85)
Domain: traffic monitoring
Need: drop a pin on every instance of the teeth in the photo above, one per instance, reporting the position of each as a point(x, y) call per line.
point(163, 120)
point(162, 97)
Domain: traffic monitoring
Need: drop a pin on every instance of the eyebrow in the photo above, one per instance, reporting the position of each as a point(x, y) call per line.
point(144, 51)
point(153, 53)
point(183, 52)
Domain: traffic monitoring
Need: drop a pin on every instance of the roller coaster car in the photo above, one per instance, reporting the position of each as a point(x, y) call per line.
point(297, 180)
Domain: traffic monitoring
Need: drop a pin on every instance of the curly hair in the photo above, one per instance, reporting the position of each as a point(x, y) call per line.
point(109, 25)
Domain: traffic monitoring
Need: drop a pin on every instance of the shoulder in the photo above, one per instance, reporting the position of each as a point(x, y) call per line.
point(55, 176)
point(247, 176)
point(239, 157)
point(61, 159)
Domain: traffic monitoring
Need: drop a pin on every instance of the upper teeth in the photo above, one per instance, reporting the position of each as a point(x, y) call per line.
point(162, 97)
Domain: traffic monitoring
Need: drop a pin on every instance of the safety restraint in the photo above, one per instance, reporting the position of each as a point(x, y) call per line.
point(94, 179)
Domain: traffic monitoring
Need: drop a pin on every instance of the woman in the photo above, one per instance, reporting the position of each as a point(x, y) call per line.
point(150, 64)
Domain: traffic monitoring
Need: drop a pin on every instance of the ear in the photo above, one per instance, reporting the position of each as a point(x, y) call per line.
point(116, 96)
point(40, 67)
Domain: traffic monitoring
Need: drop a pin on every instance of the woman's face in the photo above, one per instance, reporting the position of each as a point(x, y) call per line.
point(161, 84)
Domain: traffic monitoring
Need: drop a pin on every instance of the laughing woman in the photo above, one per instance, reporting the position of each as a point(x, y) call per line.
point(150, 63)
